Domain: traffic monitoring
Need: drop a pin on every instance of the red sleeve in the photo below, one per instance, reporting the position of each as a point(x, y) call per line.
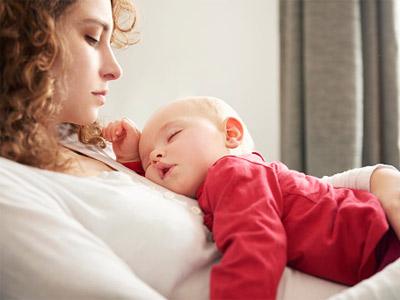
point(245, 201)
point(135, 166)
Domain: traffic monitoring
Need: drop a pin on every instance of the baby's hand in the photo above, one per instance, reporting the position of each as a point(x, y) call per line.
point(385, 184)
point(124, 136)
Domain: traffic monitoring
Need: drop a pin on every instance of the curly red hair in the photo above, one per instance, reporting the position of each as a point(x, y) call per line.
point(29, 47)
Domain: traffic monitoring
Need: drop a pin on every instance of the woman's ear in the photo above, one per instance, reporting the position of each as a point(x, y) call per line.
point(233, 132)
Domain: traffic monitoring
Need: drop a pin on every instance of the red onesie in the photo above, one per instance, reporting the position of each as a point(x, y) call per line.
point(264, 216)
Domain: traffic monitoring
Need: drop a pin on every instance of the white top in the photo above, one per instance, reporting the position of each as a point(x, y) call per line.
point(112, 236)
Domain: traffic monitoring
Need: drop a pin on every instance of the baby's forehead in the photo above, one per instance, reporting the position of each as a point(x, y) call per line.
point(173, 112)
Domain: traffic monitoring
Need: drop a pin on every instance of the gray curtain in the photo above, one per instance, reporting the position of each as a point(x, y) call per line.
point(339, 84)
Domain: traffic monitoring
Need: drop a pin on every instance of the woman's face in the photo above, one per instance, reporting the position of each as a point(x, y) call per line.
point(86, 31)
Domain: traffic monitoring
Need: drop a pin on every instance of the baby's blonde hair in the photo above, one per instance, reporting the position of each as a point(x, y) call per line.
point(218, 111)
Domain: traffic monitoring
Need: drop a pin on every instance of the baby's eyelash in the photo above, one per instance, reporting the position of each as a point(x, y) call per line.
point(171, 136)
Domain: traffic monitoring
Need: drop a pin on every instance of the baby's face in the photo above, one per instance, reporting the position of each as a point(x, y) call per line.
point(178, 146)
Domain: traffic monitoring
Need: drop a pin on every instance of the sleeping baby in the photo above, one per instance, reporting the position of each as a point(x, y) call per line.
point(263, 216)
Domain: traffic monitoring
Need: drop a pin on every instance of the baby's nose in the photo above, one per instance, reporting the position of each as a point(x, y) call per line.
point(156, 155)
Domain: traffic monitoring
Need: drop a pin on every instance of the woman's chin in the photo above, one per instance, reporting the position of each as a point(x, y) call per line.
point(87, 120)
point(81, 120)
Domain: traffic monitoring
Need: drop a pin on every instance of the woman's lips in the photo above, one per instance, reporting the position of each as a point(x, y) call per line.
point(101, 96)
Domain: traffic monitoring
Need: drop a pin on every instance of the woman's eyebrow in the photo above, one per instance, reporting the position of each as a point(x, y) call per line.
point(97, 21)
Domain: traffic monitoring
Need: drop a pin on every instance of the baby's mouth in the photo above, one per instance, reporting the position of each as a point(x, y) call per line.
point(164, 169)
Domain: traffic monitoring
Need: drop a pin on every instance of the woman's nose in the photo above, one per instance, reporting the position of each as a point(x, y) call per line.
point(111, 69)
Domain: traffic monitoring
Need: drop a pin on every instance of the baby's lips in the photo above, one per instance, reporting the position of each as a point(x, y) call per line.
point(163, 168)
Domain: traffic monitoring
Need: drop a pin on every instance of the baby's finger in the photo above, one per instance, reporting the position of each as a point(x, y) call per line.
point(112, 131)
point(118, 129)
point(109, 132)
point(130, 126)
point(105, 132)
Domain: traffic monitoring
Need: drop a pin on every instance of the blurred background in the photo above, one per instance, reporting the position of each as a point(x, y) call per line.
point(316, 81)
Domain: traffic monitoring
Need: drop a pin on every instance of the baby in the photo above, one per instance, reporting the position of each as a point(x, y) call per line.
point(263, 216)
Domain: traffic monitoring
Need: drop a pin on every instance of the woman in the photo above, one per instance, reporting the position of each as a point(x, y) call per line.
point(73, 223)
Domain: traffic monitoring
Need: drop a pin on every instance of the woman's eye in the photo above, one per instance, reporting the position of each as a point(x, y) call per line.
point(91, 40)
point(173, 135)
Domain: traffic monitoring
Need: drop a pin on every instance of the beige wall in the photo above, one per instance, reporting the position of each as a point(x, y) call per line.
point(223, 48)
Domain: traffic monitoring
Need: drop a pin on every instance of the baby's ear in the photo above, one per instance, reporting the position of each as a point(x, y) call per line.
point(233, 132)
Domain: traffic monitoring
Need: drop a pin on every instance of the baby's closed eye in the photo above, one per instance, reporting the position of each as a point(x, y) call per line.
point(172, 135)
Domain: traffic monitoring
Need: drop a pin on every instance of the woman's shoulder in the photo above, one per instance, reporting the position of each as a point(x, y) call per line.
point(10, 170)
point(24, 187)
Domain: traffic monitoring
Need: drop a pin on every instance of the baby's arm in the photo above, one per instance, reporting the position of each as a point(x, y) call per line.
point(124, 136)
point(241, 211)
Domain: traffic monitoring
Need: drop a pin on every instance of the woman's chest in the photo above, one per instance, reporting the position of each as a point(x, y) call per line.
point(148, 229)
point(84, 166)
